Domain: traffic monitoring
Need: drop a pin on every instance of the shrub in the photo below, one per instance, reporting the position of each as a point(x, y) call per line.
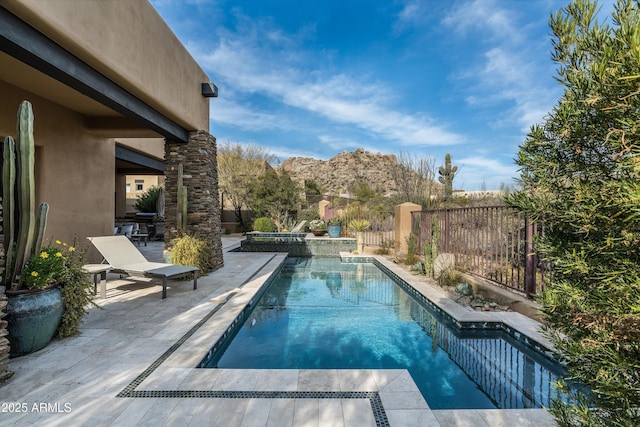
point(148, 200)
point(308, 214)
point(193, 251)
point(265, 225)
point(317, 224)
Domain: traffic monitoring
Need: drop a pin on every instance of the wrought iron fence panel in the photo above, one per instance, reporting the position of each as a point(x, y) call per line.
point(493, 242)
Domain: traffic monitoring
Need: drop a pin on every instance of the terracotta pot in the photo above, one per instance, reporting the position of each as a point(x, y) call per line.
point(33, 316)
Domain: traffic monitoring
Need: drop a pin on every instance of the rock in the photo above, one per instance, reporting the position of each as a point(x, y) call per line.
point(464, 288)
point(345, 170)
point(419, 267)
point(477, 303)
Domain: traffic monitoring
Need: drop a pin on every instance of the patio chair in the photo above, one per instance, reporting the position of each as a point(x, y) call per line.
point(125, 258)
point(126, 230)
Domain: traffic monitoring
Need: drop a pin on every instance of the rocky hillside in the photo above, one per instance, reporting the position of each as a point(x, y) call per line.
point(344, 170)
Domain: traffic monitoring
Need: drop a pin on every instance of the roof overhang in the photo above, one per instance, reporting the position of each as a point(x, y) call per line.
point(26, 44)
point(131, 162)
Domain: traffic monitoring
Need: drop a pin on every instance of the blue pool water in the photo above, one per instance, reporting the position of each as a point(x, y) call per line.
point(319, 313)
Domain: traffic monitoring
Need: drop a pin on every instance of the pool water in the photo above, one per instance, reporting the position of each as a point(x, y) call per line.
point(319, 313)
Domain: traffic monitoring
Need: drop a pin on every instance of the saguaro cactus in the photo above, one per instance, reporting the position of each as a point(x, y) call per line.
point(23, 235)
point(447, 173)
point(431, 250)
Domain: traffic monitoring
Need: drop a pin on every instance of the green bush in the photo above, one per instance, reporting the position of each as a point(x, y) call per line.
point(193, 251)
point(265, 225)
point(148, 200)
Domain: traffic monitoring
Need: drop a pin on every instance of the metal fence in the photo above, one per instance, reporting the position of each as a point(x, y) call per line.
point(493, 242)
point(381, 233)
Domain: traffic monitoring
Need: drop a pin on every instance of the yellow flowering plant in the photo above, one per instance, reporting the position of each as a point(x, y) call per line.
point(49, 266)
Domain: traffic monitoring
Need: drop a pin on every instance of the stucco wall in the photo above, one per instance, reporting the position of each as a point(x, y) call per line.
point(74, 170)
point(130, 43)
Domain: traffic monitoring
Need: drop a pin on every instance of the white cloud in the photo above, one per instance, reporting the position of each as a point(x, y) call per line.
point(223, 111)
point(477, 171)
point(487, 16)
point(513, 68)
point(274, 68)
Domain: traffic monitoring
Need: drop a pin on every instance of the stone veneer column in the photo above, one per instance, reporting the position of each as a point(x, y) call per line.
point(200, 177)
point(5, 373)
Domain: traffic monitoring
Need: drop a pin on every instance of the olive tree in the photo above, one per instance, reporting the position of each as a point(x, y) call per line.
point(580, 176)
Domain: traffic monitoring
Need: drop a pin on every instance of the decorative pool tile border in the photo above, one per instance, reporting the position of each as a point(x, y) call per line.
point(497, 324)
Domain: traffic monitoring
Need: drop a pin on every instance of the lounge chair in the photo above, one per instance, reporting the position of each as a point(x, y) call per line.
point(299, 227)
point(125, 258)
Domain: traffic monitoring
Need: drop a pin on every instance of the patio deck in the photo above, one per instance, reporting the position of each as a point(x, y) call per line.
point(133, 365)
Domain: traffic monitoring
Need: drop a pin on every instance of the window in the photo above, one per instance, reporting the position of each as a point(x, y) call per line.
point(139, 184)
point(128, 188)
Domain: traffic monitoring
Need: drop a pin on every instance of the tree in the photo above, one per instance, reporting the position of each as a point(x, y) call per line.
point(238, 167)
point(580, 176)
point(147, 201)
point(414, 179)
point(274, 196)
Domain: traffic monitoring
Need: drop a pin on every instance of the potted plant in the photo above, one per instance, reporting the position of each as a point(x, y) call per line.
point(43, 285)
point(358, 226)
point(318, 227)
point(334, 228)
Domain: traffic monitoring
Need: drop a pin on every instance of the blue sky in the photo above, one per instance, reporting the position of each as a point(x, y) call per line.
point(312, 78)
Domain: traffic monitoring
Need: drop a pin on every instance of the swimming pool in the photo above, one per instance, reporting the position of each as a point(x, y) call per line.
point(319, 313)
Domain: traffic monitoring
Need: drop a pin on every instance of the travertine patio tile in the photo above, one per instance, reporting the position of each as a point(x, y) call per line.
point(395, 380)
point(257, 413)
point(165, 379)
point(199, 379)
point(516, 417)
point(330, 413)
point(403, 400)
point(133, 414)
point(357, 380)
point(182, 413)
point(236, 380)
point(277, 380)
point(281, 413)
point(412, 418)
point(358, 412)
point(461, 418)
point(306, 413)
point(318, 380)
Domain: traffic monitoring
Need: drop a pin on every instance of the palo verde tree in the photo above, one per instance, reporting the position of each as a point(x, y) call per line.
point(239, 166)
point(580, 176)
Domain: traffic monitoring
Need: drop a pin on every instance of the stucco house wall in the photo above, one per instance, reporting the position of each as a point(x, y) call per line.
point(74, 169)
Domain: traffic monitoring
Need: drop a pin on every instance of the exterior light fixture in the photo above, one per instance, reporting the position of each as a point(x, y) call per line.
point(209, 90)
